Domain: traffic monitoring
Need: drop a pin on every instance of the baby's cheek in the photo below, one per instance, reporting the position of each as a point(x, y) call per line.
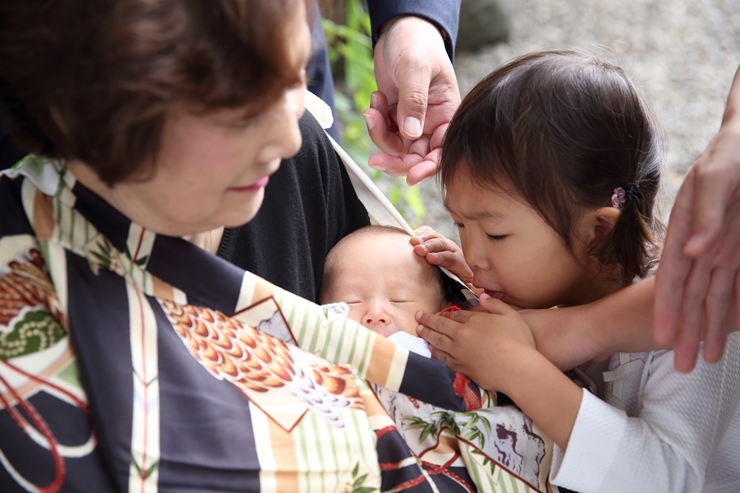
point(354, 315)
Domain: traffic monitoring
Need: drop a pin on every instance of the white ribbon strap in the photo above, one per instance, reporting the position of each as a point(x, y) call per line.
point(617, 375)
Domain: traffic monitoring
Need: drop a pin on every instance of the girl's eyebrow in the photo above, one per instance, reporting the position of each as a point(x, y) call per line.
point(490, 215)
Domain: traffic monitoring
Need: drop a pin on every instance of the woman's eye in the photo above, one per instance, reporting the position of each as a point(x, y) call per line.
point(458, 225)
point(497, 237)
point(399, 301)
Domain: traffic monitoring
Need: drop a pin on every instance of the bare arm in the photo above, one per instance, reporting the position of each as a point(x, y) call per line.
point(620, 322)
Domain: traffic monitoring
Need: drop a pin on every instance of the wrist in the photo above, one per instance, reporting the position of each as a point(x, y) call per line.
point(411, 22)
point(523, 368)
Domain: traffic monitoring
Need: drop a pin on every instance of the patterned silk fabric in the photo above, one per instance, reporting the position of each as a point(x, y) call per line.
point(131, 361)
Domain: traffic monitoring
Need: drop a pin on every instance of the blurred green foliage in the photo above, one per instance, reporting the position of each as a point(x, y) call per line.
point(351, 54)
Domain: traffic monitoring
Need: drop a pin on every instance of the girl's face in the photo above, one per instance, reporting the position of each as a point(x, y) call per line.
point(514, 254)
point(211, 170)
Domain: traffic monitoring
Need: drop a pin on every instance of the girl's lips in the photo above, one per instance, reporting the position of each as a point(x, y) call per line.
point(261, 183)
point(495, 294)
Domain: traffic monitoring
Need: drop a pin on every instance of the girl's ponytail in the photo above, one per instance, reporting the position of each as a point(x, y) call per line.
point(634, 244)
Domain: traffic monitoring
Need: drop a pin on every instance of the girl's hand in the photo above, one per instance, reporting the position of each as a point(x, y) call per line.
point(496, 350)
point(488, 347)
point(443, 252)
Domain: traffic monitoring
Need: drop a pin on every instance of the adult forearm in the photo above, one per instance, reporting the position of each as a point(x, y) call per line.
point(620, 322)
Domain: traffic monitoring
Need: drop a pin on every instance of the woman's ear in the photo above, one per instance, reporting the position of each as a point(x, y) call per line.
point(597, 224)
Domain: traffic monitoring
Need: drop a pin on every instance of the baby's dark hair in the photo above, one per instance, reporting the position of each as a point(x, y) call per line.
point(564, 129)
point(447, 287)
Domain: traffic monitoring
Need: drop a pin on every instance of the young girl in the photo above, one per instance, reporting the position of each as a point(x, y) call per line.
point(551, 168)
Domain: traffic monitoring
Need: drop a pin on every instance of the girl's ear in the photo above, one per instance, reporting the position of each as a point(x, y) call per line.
point(597, 224)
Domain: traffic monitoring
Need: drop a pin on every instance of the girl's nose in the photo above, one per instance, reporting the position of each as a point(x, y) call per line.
point(475, 255)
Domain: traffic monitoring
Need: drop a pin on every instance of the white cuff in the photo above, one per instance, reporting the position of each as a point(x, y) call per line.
point(593, 446)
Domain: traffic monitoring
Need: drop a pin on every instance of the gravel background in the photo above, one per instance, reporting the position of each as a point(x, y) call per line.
point(683, 53)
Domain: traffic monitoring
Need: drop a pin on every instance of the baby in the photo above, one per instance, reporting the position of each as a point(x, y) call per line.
point(374, 277)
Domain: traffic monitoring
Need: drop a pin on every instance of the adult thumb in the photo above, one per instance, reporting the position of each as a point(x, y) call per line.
point(413, 95)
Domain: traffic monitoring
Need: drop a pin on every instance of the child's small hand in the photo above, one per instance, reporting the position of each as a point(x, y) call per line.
point(441, 251)
point(487, 347)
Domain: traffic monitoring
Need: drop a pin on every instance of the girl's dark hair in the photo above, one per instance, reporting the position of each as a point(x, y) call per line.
point(95, 79)
point(564, 129)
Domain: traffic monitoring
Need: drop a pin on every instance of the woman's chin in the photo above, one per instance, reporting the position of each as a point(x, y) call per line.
point(239, 216)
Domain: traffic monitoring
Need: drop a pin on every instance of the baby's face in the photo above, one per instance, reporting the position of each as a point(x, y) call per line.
point(384, 283)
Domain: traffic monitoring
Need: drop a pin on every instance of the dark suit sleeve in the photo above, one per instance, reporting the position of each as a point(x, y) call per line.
point(444, 13)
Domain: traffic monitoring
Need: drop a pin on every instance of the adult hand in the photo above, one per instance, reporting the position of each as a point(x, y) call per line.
point(443, 252)
point(698, 281)
point(418, 93)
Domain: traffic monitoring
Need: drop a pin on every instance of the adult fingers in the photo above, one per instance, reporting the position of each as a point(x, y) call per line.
point(713, 191)
point(379, 102)
point(387, 141)
point(421, 171)
point(394, 165)
point(691, 324)
point(717, 305)
point(674, 267)
point(413, 95)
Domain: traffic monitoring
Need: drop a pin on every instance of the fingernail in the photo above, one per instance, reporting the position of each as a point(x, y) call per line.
point(412, 126)
point(484, 296)
point(375, 166)
point(370, 122)
point(418, 316)
point(374, 100)
point(419, 328)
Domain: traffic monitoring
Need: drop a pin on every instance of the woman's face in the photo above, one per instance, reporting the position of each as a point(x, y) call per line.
point(212, 169)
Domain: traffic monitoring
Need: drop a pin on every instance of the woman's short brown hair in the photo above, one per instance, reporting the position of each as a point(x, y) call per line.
point(95, 79)
point(563, 130)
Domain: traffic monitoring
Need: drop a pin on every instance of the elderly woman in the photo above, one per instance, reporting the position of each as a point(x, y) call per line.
point(131, 357)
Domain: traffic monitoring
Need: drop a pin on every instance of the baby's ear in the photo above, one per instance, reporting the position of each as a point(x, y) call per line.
point(597, 224)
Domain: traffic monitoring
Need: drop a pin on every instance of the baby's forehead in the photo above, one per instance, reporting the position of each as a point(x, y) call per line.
point(373, 244)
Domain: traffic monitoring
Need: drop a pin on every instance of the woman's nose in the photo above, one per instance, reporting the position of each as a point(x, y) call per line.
point(284, 139)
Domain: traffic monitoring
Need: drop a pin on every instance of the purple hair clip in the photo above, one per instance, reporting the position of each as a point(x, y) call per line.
point(631, 191)
point(618, 198)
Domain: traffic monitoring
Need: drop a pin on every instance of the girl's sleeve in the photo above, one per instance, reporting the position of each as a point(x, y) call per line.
point(667, 447)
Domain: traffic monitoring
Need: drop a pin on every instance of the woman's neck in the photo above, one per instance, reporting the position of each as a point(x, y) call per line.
point(119, 199)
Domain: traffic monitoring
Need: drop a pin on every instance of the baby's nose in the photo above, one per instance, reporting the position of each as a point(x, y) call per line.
point(376, 315)
point(376, 318)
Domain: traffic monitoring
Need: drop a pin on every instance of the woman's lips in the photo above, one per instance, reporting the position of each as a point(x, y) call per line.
point(261, 183)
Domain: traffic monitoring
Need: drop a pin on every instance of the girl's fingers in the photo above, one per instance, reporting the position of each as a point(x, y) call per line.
point(438, 244)
point(437, 331)
point(496, 306)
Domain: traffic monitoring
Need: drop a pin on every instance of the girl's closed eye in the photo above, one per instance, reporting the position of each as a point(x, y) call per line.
point(496, 237)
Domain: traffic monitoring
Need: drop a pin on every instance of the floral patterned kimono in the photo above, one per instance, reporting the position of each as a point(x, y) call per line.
point(131, 361)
